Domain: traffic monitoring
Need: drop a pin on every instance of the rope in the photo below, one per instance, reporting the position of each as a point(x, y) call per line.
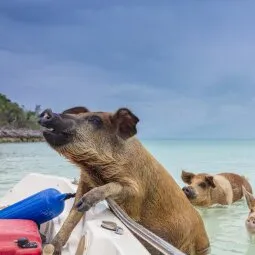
point(69, 195)
point(157, 242)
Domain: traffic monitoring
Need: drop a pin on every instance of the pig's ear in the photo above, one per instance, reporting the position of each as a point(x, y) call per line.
point(125, 123)
point(209, 180)
point(76, 110)
point(187, 177)
point(249, 198)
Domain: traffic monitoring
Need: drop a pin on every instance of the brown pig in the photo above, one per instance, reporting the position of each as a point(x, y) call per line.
point(205, 190)
point(113, 163)
point(250, 221)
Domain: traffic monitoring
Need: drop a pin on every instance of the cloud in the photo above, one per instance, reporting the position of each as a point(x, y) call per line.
point(186, 70)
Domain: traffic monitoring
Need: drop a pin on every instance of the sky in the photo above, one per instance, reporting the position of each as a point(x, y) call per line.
point(185, 68)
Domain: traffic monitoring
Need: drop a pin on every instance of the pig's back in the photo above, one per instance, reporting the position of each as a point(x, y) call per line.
point(237, 182)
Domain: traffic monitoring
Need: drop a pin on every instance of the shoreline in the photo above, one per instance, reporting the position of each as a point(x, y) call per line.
point(10, 135)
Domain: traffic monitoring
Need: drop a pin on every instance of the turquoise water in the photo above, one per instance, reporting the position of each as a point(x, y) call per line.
point(225, 225)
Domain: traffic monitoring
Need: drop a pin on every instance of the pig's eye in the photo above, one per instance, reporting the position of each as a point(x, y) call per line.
point(95, 120)
point(202, 185)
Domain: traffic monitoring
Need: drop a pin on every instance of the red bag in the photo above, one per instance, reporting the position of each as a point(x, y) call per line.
point(13, 230)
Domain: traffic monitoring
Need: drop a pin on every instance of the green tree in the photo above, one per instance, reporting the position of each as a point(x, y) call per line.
point(15, 116)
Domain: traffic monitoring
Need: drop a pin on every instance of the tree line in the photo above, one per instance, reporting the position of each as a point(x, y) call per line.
point(12, 115)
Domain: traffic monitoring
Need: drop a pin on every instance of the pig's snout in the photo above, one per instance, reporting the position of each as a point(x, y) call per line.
point(189, 192)
point(55, 122)
point(250, 225)
point(47, 118)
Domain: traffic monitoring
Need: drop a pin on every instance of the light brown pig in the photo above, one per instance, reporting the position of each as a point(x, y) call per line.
point(205, 190)
point(115, 164)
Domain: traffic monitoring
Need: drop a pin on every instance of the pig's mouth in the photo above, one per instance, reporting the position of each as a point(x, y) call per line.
point(57, 129)
point(189, 192)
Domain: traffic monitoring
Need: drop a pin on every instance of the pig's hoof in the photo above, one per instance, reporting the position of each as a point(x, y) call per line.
point(87, 201)
point(83, 205)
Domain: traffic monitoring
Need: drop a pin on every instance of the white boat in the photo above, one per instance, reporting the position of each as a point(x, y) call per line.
point(88, 235)
point(98, 232)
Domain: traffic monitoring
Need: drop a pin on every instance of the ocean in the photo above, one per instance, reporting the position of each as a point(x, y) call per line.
point(224, 224)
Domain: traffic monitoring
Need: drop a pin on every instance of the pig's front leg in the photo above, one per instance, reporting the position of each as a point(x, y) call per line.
point(98, 194)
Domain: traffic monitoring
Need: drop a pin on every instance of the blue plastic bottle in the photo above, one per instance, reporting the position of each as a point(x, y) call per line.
point(40, 207)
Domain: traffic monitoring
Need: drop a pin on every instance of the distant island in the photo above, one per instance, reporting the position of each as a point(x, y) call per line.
point(18, 124)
